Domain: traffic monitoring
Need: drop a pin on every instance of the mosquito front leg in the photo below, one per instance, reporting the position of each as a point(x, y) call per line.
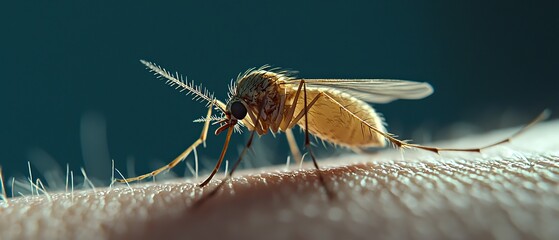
point(230, 174)
point(221, 156)
point(182, 156)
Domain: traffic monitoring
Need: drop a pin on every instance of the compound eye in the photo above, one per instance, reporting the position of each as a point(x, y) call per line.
point(238, 110)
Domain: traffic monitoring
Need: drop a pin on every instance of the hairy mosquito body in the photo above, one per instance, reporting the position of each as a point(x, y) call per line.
point(335, 110)
point(325, 119)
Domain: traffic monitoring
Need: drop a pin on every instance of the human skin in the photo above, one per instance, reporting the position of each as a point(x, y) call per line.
point(507, 192)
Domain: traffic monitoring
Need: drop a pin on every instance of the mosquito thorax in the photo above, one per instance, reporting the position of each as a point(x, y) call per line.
point(254, 85)
point(261, 88)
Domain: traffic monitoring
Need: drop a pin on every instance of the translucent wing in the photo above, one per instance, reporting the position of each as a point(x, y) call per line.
point(374, 90)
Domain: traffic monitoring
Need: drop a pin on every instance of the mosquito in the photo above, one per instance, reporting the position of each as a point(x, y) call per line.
point(272, 100)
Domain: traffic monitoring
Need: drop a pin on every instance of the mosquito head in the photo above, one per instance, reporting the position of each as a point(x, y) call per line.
point(235, 111)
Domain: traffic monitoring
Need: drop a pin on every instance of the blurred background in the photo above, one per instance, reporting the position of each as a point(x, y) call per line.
point(73, 91)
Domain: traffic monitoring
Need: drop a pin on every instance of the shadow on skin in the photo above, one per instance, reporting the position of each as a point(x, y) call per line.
point(508, 192)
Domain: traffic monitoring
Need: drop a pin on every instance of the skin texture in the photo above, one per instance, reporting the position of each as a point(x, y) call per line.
point(508, 192)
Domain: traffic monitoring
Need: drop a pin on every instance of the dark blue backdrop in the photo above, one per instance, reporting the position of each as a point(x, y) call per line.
point(66, 64)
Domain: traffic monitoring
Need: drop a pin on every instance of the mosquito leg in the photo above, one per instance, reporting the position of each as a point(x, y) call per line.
point(221, 156)
point(293, 145)
point(291, 109)
point(230, 174)
point(541, 117)
point(303, 112)
point(403, 144)
point(294, 121)
point(288, 132)
point(308, 142)
point(179, 158)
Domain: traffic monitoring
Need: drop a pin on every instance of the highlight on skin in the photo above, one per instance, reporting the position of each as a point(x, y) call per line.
point(506, 192)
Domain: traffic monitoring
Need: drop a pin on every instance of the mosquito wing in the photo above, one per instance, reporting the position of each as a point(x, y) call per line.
point(374, 90)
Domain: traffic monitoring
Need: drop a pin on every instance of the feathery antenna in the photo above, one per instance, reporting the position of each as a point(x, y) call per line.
point(177, 81)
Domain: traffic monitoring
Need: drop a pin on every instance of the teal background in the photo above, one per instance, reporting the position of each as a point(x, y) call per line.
point(492, 63)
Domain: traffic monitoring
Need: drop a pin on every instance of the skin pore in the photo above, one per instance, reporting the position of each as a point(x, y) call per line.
point(507, 192)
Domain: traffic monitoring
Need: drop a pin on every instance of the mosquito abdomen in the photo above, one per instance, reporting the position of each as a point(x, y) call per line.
point(341, 123)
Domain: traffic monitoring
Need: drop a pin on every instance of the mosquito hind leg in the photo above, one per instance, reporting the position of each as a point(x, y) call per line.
point(179, 158)
point(541, 117)
point(403, 144)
